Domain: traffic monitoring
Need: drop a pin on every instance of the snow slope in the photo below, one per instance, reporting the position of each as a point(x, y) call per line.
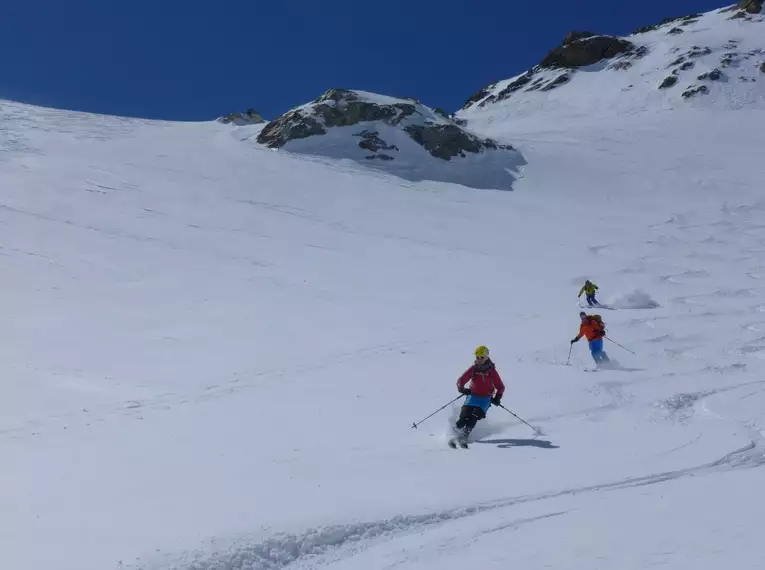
point(687, 51)
point(212, 353)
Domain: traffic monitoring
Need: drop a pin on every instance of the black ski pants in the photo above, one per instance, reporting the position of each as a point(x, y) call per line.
point(469, 416)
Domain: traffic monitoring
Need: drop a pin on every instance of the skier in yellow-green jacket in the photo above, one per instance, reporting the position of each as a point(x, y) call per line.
point(589, 288)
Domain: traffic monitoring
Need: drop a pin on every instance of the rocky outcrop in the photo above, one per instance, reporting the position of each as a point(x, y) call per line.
point(249, 117)
point(714, 75)
point(580, 49)
point(435, 131)
point(335, 108)
point(679, 21)
point(448, 141)
point(762, 67)
point(695, 90)
point(479, 95)
point(292, 125)
point(371, 141)
point(557, 82)
point(751, 6)
point(669, 81)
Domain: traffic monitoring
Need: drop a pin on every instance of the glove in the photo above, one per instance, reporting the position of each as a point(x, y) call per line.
point(573, 340)
point(465, 391)
point(497, 400)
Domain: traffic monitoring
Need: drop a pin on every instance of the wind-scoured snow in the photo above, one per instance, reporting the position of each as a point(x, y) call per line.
point(213, 353)
point(715, 61)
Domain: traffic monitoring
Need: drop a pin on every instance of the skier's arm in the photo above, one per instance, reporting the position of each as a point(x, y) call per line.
point(464, 379)
point(580, 291)
point(580, 335)
point(594, 287)
point(498, 384)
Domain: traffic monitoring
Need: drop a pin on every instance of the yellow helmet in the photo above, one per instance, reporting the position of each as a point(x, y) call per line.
point(482, 351)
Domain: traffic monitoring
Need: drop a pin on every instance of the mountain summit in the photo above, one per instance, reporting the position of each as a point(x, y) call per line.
point(711, 60)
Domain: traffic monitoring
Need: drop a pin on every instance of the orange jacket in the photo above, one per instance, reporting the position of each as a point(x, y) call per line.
point(591, 330)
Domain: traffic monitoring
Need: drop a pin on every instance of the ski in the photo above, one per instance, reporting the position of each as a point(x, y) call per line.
point(455, 441)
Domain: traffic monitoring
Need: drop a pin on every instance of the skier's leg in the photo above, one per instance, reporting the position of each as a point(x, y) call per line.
point(596, 349)
point(476, 414)
point(465, 413)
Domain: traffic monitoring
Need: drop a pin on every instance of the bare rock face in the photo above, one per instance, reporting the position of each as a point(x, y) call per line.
point(434, 130)
point(249, 117)
point(695, 90)
point(678, 21)
point(335, 108)
point(751, 6)
point(580, 49)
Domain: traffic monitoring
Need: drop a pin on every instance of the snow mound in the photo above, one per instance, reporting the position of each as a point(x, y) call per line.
point(636, 299)
point(398, 136)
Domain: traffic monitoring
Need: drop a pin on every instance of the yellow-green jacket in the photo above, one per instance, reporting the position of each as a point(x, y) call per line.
point(588, 288)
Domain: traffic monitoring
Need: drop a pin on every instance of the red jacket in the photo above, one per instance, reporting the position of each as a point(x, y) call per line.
point(482, 383)
point(590, 329)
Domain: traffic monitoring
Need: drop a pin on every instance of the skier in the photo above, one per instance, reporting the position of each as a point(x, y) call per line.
point(486, 388)
point(589, 288)
point(593, 328)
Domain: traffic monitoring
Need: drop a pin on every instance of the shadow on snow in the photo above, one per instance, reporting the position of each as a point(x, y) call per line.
point(506, 443)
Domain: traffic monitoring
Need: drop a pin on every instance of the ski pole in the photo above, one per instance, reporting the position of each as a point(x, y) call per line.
point(570, 347)
point(620, 346)
point(536, 429)
point(414, 425)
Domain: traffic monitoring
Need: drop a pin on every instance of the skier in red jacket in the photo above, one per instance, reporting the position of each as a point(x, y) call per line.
point(486, 388)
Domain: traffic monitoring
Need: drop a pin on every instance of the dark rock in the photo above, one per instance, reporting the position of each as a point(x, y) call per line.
point(687, 65)
point(443, 113)
point(443, 139)
point(727, 59)
point(714, 75)
point(514, 86)
point(668, 82)
point(696, 51)
point(372, 142)
point(249, 117)
point(586, 51)
point(762, 67)
point(620, 65)
point(682, 20)
point(448, 141)
point(675, 31)
point(624, 61)
point(572, 37)
point(560, 80)
point(290, 126)
point(751, 6)
point(678, 61)
point(692, 91)
point(336, 108)
point(482, 94)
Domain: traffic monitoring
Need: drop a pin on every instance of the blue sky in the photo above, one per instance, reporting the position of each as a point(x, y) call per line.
point(199, 59)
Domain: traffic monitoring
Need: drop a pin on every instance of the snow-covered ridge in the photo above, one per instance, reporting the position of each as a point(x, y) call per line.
point(711, 60)
point(400, 136)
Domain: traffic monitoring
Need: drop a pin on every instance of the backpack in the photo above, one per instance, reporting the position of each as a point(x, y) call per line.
point(599, 321)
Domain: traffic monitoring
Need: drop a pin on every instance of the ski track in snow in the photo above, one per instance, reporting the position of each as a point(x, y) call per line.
point(280, 551)
point(167, 472)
